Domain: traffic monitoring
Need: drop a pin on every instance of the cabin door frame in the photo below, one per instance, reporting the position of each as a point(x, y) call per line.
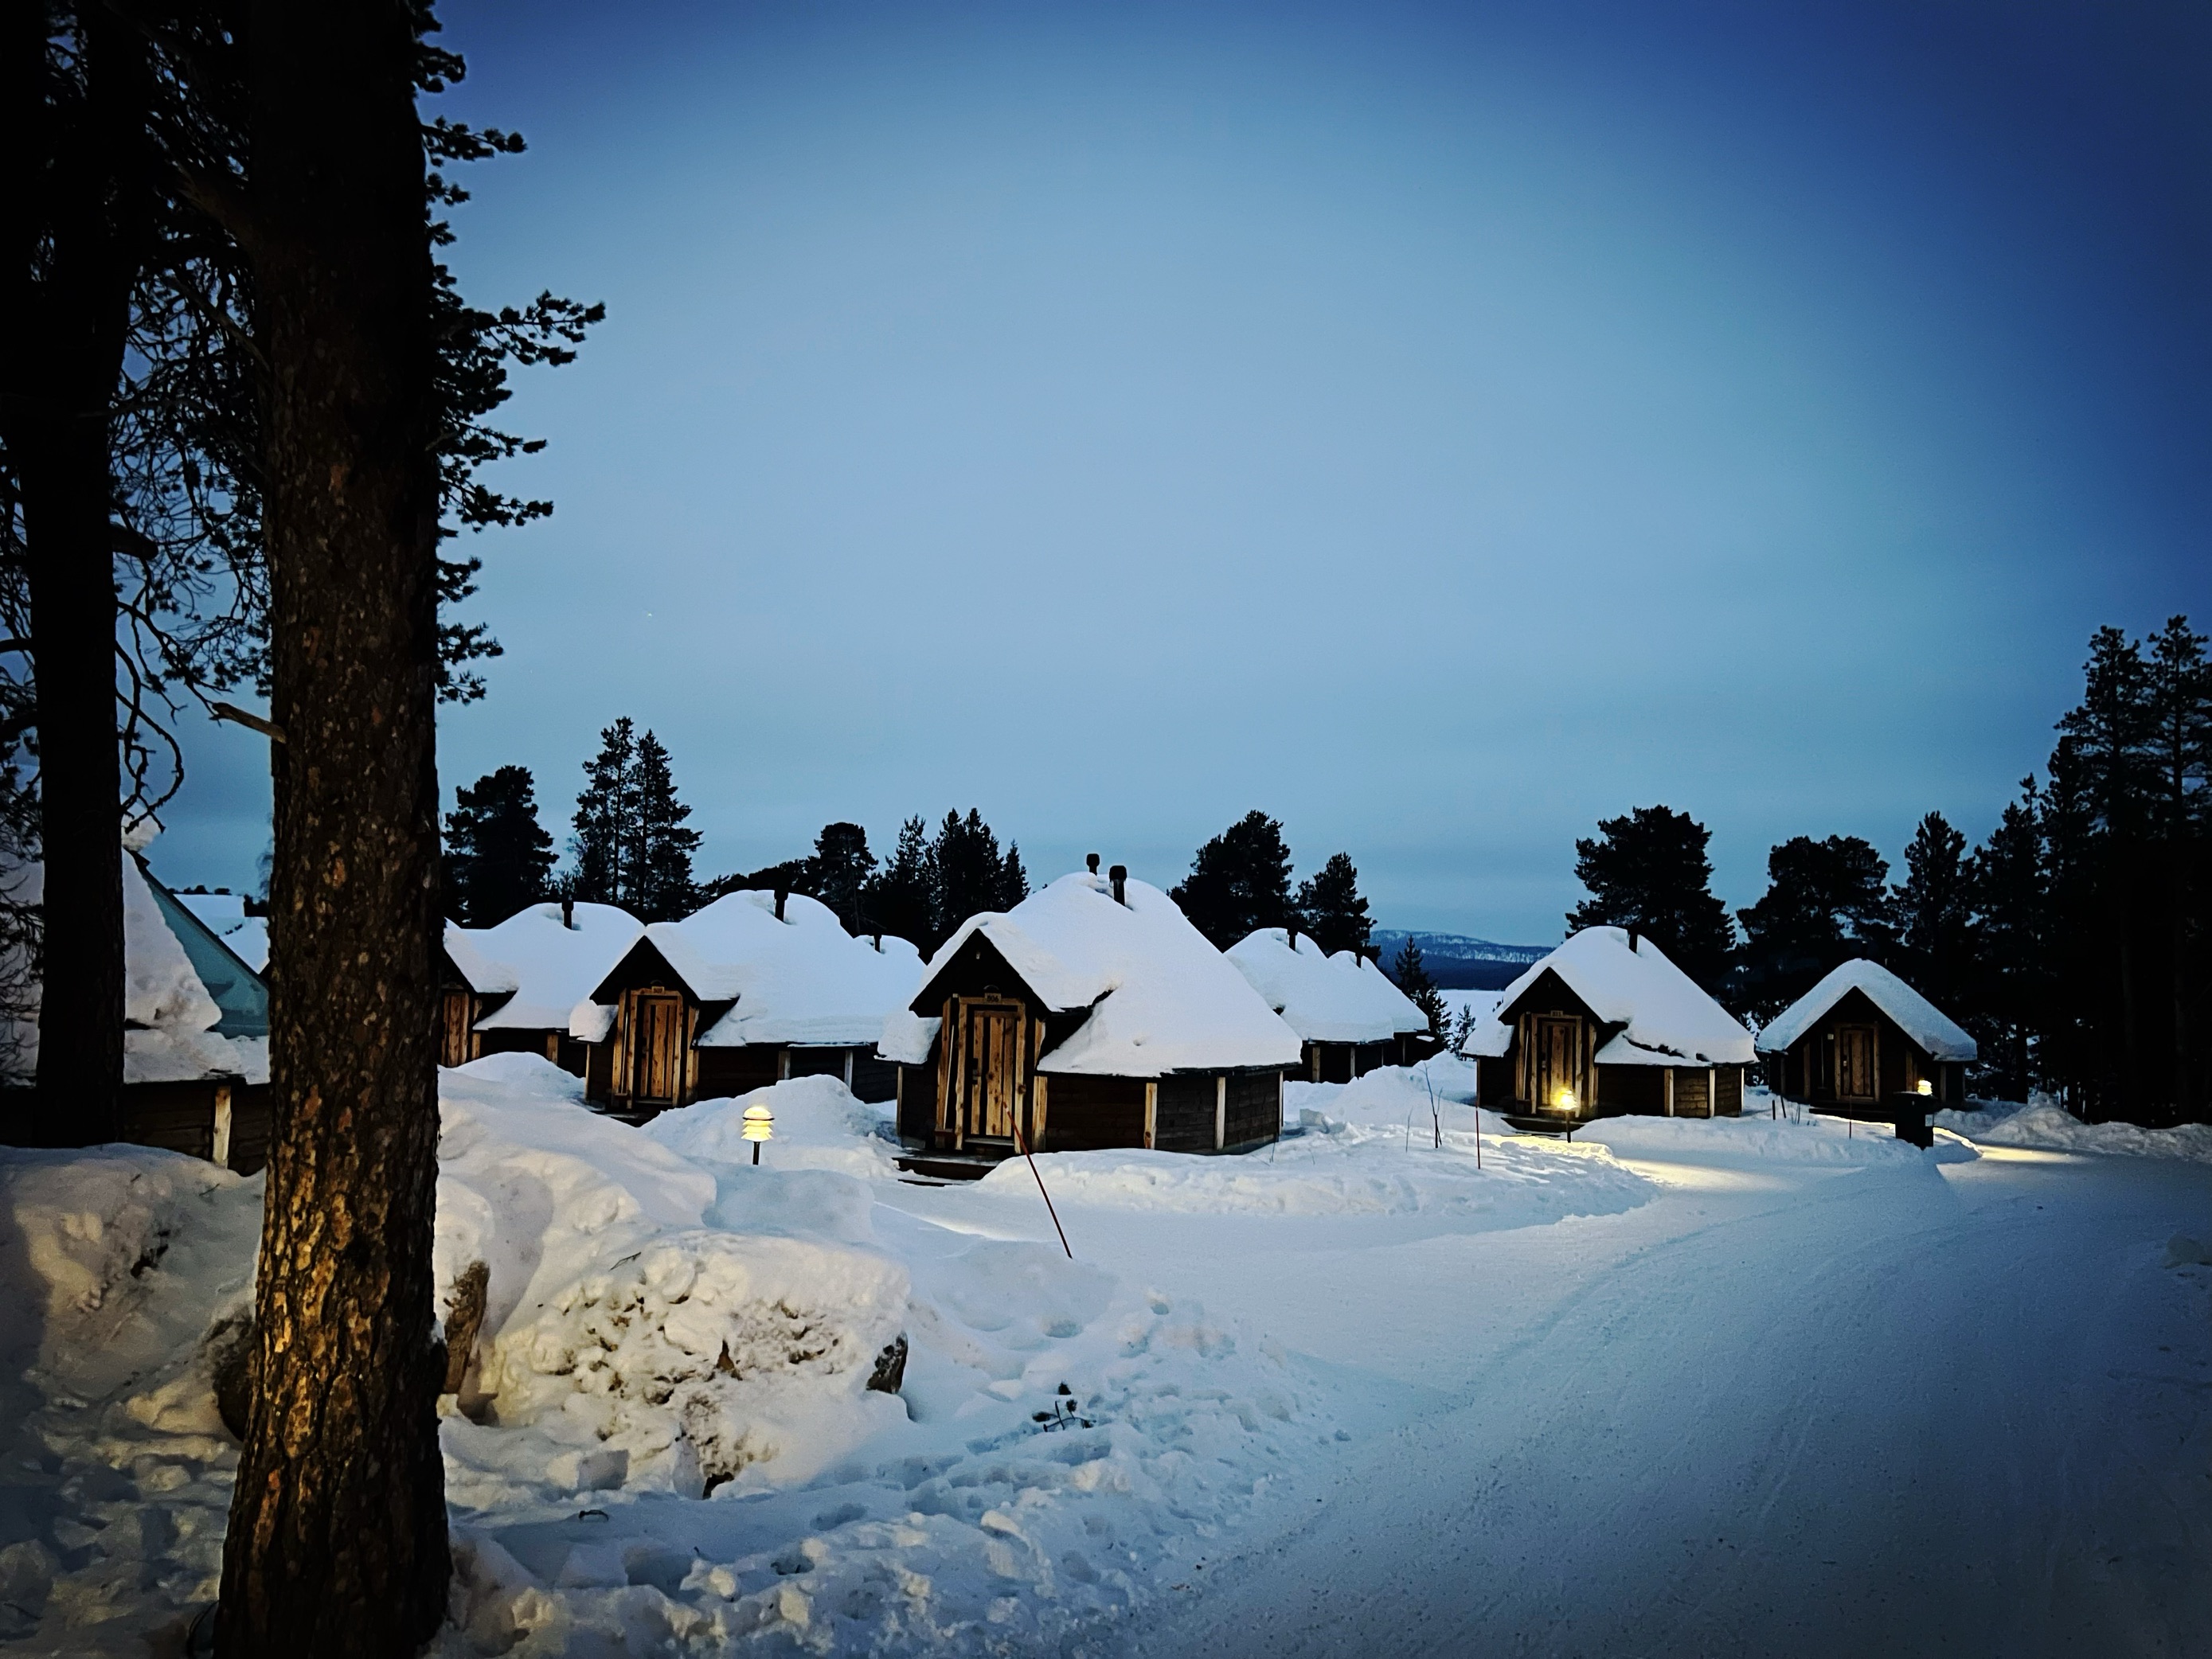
point(1858, 1059)
point(456, 1023)
point(990, 1067)
point(656, 1049)
point(1556, 1061)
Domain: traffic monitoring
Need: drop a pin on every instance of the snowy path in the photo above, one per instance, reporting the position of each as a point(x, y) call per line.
point(1958, 1410)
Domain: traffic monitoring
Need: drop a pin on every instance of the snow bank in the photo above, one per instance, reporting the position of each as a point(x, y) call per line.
point(819, 1125)
point(1342, 998)
point(1938, 1034)
point(1161, 997)
point(2047, 1127)
point(1815, 1141)
point(119, 1263)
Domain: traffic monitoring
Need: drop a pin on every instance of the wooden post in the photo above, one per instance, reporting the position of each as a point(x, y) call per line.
point(1670, 1072)
point(1220, 1113)
point(219, 1149)
point(848, 1069)
point(1038, 1101)
point(1151, 1113)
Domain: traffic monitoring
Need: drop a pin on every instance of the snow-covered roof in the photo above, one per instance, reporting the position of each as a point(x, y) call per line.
point(802, 980)
point(548, 967)
point(1667, 1019)
point(1343, 997)
point(224, 915)
point(1938, 1036)
point(1161, 998)
point(172, 1008)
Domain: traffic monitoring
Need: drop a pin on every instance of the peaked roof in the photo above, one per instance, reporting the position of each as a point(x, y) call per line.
point(801, 980)
point(224, 915)
point(1160, 998)
point(1666, 1018)
point(1324, 998)
point(1938, 1036)
point(548, 967)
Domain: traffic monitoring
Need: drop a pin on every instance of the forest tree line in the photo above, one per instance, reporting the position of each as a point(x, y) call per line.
point(2072, 941)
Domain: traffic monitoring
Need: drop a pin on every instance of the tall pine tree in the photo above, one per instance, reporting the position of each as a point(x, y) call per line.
point(839, 872)
point(1825, 902)
point(605, 814)
point(968, 873)
point(899, 900)
point(1239, 881)
point(1933, 908)
point(498, 857)
point(660, 857)
point(1649, 870)
point(1329, 907)
point(1412, 978)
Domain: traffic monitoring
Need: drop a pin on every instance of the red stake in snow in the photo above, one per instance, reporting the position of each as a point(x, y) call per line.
point(1022, 1141)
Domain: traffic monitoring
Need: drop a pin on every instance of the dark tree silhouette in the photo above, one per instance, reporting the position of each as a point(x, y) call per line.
point(498, 857)
point(1239, 881)
point(1825, 902)
point(660, 855)
point(606, 814)
point(1934, 910)
point(1649, 870)
point(1412, 978)
point(899, 900)
point(1329, 905)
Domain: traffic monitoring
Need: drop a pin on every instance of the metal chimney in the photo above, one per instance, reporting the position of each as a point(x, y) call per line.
point(1118, 875)
point(569, 911)
point(782, 894)
point(1092, 859)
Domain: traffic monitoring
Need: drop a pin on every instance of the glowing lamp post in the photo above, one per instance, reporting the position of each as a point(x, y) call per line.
point(1926, 1086)
point(1563, 1102)
point(760, 1125)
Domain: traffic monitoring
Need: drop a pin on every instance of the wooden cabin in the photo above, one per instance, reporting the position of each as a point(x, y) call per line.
point(1606, 1026)
point(196, 1030)
point(1864, 1044)
point(514, 989)
point(1349, 1017)
point(756, 988)
point(1091, 1015)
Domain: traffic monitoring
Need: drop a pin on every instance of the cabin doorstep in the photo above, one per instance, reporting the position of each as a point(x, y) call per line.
point(754, 990)
point(1092, 1015)
point(1606, 1026)
point(1349, 1015)
point(513, 988)
point(1863, 1043)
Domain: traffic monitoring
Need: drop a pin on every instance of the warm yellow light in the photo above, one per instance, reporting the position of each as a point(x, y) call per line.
point(1564, 1100)
point(1927, 1087)
point(760, 1123)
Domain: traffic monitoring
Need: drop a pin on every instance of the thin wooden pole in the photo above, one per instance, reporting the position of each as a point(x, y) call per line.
point(1023, 1141)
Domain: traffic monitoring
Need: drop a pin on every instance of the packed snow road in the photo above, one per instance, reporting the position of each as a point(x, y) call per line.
point(1950, 1408)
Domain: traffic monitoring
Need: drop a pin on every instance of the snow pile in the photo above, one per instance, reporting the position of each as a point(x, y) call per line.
point(121, 1263)
point(1813, 1142)
point(1366, 1147)
point(1668, 1019)
point(819, 1125)
point(2045, 1125)
point(549, 965)
point(1161, 998)
point(1342, 998)
point(1939, 1037)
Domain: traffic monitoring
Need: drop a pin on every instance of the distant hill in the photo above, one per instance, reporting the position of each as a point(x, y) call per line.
point(1458, 962)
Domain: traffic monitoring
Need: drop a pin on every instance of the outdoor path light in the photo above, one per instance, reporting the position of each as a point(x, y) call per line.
point(760, 1125)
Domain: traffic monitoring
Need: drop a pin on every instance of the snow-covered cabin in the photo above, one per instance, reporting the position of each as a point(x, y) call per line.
point(511, 989)
point(1863, 1042)
point(1092, 1014)
point(1348, 1015)
point(196, 1029)
point(1604, 1026)
point(754, 988)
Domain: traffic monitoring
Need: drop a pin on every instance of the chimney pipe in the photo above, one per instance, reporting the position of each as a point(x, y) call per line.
point(782, 894)
point(879, 941)
point(569, 911)
point(1092, 859)
point(1632, 934)
point(1291, 933)
point(1120, 876)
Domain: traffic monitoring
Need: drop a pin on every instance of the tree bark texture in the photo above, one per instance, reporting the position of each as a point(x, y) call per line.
point(91, 204)
point(337, 1539)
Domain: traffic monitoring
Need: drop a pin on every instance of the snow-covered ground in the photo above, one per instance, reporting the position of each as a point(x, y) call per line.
point(1744, 1386)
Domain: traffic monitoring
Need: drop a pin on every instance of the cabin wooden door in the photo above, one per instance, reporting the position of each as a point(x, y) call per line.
point(1558, 1065)
point(453, 1022)
point(991, 1055)
point(1855, 1062)
point(656, 1049)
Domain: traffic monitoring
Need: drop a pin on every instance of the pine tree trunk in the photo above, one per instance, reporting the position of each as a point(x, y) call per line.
point(62, 362)
point(337, 1539)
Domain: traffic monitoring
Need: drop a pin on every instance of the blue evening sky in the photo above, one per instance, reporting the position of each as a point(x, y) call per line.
point(1439, 426)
